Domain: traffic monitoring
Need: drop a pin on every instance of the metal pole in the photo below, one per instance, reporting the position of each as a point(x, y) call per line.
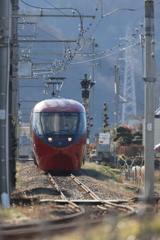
point(92, 96)
point(149, 79)
point(116, 88)
point(116, 105)
point(14, 95)
point(5, 31)
point(50, 15)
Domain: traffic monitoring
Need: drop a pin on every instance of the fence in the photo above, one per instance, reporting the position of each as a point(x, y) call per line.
point(135, 173)
point(132, 172)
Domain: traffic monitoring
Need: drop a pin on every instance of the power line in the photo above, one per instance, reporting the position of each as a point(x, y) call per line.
point(55, 7)
point(105, 55)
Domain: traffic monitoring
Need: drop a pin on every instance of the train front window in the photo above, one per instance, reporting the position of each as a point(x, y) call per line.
point(37, 124)
point(59, 123)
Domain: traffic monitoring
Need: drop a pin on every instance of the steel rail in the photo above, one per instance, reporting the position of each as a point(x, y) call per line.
point(107, 203)
point(89, 191)
point(18, 232)
point(71, 204)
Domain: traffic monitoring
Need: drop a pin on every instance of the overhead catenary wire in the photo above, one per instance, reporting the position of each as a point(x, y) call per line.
point(55, 7)
point(68, 60)
point(68, 63)
point(27, 22)
point(73, 10)
point(118, 45)
point(90, 60)
point(137, 30)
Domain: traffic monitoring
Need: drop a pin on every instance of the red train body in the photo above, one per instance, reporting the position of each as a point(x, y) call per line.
point(58, 134)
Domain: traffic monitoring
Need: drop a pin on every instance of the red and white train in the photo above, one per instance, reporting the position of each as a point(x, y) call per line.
point(58, 134)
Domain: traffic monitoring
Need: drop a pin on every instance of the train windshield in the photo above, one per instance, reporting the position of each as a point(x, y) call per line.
point(62, 123)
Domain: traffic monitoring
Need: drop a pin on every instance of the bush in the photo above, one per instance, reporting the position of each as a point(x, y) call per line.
point(138, 133)
point(137, 141)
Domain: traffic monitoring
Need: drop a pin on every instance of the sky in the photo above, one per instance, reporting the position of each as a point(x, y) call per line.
point(109, 33)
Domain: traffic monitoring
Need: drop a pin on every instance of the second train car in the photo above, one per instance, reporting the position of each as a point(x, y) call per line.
point(58, 134)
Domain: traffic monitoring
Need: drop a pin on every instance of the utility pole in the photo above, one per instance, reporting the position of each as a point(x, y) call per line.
point(116, 96)
point(149, 78)
point(92, 94)
point(116, 103)
point(94, 45)
point(116, 87)
point(5, 34)
point(13, 95)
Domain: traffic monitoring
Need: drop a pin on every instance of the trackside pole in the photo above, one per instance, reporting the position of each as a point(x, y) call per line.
point(5, 31)
point(149, 79)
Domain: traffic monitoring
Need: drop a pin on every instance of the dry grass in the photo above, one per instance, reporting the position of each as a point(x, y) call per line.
point(114, 178)
point(10, 213)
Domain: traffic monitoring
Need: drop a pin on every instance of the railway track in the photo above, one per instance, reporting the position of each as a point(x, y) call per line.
point(83, 201)
point(92, 198)
point(87, 209)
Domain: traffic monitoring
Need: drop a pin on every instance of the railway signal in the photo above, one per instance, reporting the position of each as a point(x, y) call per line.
point(105, 118)
point(85, 94)
point(86, 84)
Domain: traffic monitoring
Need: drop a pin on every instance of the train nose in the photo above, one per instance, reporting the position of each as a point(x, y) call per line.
point(60, 152)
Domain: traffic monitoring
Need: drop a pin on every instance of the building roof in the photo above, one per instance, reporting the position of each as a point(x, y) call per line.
point(157, 112)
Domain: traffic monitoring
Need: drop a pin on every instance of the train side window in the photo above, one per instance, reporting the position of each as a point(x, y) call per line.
point(37, 124)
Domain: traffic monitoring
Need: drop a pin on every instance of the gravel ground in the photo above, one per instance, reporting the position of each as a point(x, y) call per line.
point(72, 191)
point(100, 188)
point(33, 185)
point(32, 182)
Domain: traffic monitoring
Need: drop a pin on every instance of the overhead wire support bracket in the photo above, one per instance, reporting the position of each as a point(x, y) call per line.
point(50, 15)
point(149, 79)
point(46, 41)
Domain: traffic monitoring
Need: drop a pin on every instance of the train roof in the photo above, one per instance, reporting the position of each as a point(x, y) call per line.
point(59, 105)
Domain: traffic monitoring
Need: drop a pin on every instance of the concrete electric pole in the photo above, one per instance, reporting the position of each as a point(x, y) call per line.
point(116, 96)
point(5, 34)
point(13, 95)
point(149, 78)
point(116, 89)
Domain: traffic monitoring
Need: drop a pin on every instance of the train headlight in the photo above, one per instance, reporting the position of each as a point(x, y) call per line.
point(49, 139)
point(69, 139)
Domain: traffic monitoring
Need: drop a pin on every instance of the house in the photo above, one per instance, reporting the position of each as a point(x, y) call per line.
point(156, 127)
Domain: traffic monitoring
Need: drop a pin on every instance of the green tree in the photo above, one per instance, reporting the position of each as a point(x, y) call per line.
point(123, 136)
point(137, 138)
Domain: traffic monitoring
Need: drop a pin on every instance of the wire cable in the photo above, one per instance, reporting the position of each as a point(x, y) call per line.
point(105, 55)
point(55, 7)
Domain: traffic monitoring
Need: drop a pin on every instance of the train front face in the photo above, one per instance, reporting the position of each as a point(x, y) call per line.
point(59, 136)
